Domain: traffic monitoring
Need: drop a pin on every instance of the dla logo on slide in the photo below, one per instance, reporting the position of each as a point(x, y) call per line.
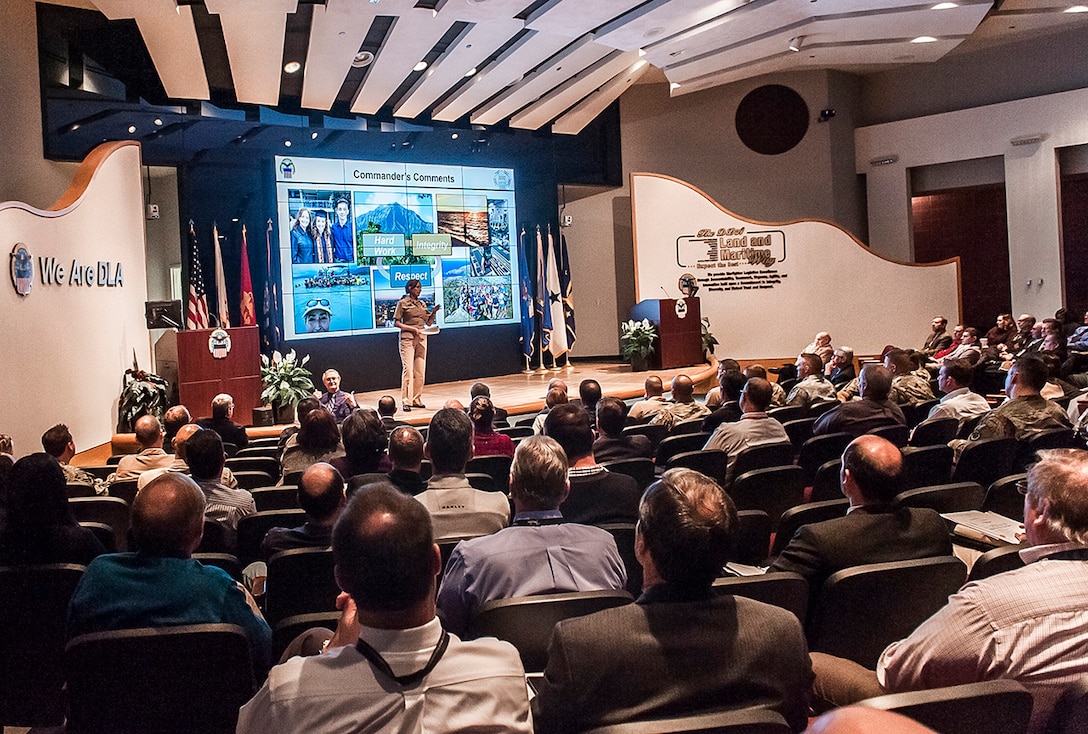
point(22, 269)
point(287, 168)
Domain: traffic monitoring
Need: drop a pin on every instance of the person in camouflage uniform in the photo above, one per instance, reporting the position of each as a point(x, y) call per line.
point(813, 386)
point(59, 444)
point(683, 406)
point(908, 388)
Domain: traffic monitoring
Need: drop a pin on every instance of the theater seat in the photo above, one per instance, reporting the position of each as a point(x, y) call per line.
point(998, 560)
point(806, 514)
point(641, 470)
point(744, 721)
point(786, 590)
point(1001, 705)
point(958, 497)
point(773, 490)
point(300, 581)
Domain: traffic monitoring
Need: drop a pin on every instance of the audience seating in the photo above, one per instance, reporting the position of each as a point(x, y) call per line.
point(445, 547)
point(286, 630)
point(998, 560)
point(270, 451)
point(300, 581)
point(923, 465)
point(425, 469)
point(786, 590)
point(806, 514)
point(934, 432)
point(230, 449)
point(1003, 498)
point(897, 434)
point(1071, 711)
point(773, 490)
point(483, 482)
point(253, 528)
point(673, 445)
point(711, 462)
point(826, 485)
point(799, 430)
point(788, 413)
point(125, 490)
point(293, 478)
point(115, 459)
point(268, 465)
point(112, 511)
point(956, 497)
point(763, 456)
point(655, 433)
point(692, 425)
point(861, 610)
point(740, 721)
point(818, 408)
point(226, 561)
point(1001, 705)
point(275, 498)
point(968, 426)
point(624, 535)
point(78, 489)
point(33, 616)
point(104, 533)
point(1057, 438)
point(986, 460)
point(101, 471)
point(163, 679)
point(915, 413)
point(641, 470)
point(818, 450)
point(264, 442)
point(516, 431)
point(525, 420)
point(527, 621)
point(218, 538)
point(251, 480)
point(753, 538)
point(497, 467)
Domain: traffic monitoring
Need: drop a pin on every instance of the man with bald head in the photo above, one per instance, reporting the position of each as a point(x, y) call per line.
point(150, 435)
point(172, 420)
point(321, 497)
point(874, 530)
point(654, 402)
point(160, 584)
point(683, 406)
point(873, 410)
point(180, 464)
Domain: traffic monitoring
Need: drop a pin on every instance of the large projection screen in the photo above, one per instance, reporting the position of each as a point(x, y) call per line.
point(353, 233)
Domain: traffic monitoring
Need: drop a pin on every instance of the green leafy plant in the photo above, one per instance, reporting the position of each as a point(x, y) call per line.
point(709, 341)
point(637, 339)
point(144, 393)
point(286, 379)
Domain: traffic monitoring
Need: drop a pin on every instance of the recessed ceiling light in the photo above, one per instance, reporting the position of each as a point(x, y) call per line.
point(292, 66)
point(363, 58)
point(655, 31)
point(944, 6)
point(286, 143)
point(924, 39)
point(1076, 9)
point(313, 135)
point(454, 136)
point(795, 43)
point(420, 66)
point(132, 128)
point(470, 72)
point(158, 121)
point(235, 219)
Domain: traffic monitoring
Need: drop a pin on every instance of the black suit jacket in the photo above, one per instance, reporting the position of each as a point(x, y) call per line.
point(876, 534)
point(673, 658)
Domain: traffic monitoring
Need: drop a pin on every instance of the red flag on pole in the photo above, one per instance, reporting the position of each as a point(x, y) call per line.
point(249, 313)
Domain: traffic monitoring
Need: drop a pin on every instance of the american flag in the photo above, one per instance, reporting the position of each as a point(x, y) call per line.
point(196, 315)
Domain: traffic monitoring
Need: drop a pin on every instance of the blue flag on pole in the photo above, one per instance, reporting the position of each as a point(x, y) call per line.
point(528, 310)
point(566, 290)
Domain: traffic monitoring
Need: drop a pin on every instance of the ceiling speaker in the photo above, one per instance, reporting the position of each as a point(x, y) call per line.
point(772, 119)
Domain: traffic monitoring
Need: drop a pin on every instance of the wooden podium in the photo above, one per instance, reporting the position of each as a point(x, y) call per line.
point(201, 376)
point(679, 340)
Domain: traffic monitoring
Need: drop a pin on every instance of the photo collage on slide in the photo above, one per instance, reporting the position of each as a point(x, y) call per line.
point(350, 248)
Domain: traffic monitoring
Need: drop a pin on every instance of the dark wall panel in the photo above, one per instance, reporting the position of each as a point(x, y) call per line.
point(1075, 241)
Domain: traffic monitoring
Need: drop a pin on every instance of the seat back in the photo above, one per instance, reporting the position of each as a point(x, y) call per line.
point(79, 489)
point(218, 538)
point(915, 413)
point(275, 498)
point(656, 433)
point(516, 431)
point(300, 581)
point(483, 482)
point(692, 425)
point(998, 560)
point(33, 615)
point(104, 533)
point(986, 460)
point(268, 464)
point(773, 490)
point(225, 561)
point(752, 539)
point(819, 450)
point(788, 412)
point(806, 514)
point(896, 434)
point(925, 465)
point(934, 432)
point(819, 407)
point(250, 480)
point(957, 497)
point(670, 446)
point(742, 721)
point(1002, 497)
point(995, 705)
point(497, 467)
point(125, 490)
point(112, 511)
point(270, 451)
point(526, 622)
point(253, 528)
point(172, 679)
point(1071, 711)
point(763, 456)
point(286, 630)
point(827, 485)
point(641, 470)
point(624, 535)
point(786, 590)
point(861, 610)
point(711, 462)
point(1055, 438)
point(799, 430)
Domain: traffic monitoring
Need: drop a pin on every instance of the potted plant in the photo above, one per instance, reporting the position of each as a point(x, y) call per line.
point(286, 381)
point(637, 343)
point(709, 341)
point(144, 393)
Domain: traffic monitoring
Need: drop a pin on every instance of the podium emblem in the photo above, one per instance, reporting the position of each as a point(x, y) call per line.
point(219, 344)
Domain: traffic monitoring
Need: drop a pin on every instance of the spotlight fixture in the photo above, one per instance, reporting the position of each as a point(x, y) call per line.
point(470, 72)
point(132, 128)
point(158, 122)
point(286, 143)
point(883, 160)
point(292, 67)
point(313, 135)
point(420, 66)
point(826, 114)
point(363, 59)
point(795, 43)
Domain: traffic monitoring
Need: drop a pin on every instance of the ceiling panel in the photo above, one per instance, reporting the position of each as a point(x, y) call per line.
point(587, 110)
point(254, 32)
point(547, 108)
point(575, 17)
point(337, 31)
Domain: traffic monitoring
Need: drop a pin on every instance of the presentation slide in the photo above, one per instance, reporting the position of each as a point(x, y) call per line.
point(353, 233)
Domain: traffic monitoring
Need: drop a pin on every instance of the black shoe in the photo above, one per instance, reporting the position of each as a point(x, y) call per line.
point(419, 405)
point(406, 408)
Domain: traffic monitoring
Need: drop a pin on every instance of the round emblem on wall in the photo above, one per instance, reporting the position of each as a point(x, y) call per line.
point(219, 344)
point(681, 308)
point(22, 269)
point(688, 286)
point(502, 179)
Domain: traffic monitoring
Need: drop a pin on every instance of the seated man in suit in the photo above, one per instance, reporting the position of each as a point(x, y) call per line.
point(321, 497)
point(538, 553)
point(596, 494)
point(387, 409)
point(458, 510)
point(406, 456)
point(613, 445)
point(873, 410)
point(222, 421)
point(680, 649)
point(873, 531)
point(938, 338)
point(840, 370)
